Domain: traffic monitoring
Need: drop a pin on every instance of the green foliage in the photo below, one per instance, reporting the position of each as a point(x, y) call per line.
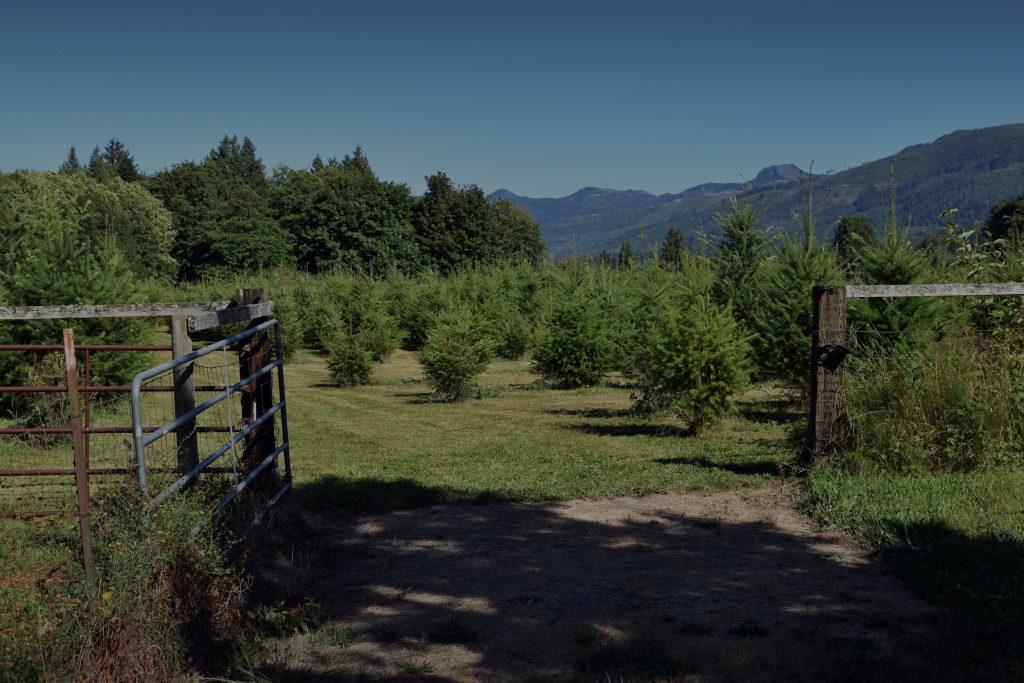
point(574, 349)
point(222, 214)
point(740, 261)
point(348, 361)
point(893, 261)
point(517, 234)
point(455, 226)
point(116, 157)
point(342, 215)
point(102, 211)
point(512, 334)
point(52, 266)
point(626, 258)
point(71, 164)
point(457, 350)
point(950, 404)
point(853, 234)
point(1006, 220)
point(165, 605)
point(378, 332)
point(672, 249)
point(782, 349)
point(693, 361)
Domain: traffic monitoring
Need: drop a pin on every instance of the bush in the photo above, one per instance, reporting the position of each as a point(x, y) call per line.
point(939, 405)
point(574, 350)
point(165, 606)
point(512, 335)
point(693, 362)
point(378, 333)
point(457, 350)
point(348, 362)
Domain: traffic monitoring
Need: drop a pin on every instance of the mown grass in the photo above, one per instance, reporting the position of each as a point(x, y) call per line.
point(956, 539)
point(391, 444)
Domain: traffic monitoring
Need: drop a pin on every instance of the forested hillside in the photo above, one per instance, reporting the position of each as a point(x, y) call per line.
point(968, 170)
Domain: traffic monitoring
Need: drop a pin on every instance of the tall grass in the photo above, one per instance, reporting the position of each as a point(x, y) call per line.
point(935, 404)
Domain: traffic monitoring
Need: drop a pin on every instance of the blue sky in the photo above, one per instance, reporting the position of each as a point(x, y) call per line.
point(541, 98)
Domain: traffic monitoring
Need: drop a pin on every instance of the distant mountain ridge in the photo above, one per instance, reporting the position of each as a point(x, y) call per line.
point(967, 169)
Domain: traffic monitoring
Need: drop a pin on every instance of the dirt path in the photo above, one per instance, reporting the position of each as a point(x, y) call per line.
point(729, 586)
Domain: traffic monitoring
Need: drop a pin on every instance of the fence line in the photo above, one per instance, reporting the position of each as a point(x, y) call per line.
point(830, 345)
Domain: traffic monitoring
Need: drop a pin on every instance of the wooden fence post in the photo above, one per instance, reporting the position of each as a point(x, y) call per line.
point(257, 398)
point(828, 349)
point(81, 467)
point(184, 395)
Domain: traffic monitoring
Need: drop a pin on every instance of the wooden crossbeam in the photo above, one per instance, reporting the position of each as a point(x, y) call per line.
point(108, 311)
point(236, 314)
point(899, 291)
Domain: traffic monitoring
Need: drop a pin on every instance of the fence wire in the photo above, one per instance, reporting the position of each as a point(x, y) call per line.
point(113, 450)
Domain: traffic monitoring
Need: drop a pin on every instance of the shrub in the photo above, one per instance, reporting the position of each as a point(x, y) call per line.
point(457, 350)
point(693, 361)
point(378, 333)
point(512, 335)
point(165, 605)
point(574, 350)
point(348, 362)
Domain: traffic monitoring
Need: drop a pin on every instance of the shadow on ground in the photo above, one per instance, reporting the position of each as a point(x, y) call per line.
point(732, 586)
point(745, 468)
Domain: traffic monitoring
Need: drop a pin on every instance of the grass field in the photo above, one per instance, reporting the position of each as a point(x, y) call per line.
point(390, 445)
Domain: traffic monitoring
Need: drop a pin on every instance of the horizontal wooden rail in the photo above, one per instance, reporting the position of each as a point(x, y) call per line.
point(108, 311)
point(900, 291)
point(237, 314)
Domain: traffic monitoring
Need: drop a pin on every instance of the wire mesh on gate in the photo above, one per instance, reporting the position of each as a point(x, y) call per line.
point(229, 437)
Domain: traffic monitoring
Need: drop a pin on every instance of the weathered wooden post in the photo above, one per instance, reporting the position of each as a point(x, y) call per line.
point(828, 349)
point(81, 467)
point(257, 397)
point(184, 395)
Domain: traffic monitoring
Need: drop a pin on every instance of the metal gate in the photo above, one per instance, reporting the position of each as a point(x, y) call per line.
point(244, 366)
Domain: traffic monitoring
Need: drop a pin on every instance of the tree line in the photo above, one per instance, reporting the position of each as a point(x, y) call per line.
point(227, 215)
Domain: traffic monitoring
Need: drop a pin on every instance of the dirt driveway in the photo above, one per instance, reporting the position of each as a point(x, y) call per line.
point(729, 586)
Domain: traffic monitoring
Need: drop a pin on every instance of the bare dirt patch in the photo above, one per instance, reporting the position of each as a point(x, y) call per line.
point(727, 586)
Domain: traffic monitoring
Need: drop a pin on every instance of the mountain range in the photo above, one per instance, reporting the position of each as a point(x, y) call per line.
point(968, 169)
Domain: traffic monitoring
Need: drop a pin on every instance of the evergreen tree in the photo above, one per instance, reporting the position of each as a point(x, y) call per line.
point(672, 249)
point(70, 164)
point(116, 156)
point(741, 258)
point(851, 234)
point(782, 350)
point(356, 162)
point(692, 361)
point(893, 261)
point(98, 169)
point(222, 213)
point(1006, 220)
point(626, 257)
